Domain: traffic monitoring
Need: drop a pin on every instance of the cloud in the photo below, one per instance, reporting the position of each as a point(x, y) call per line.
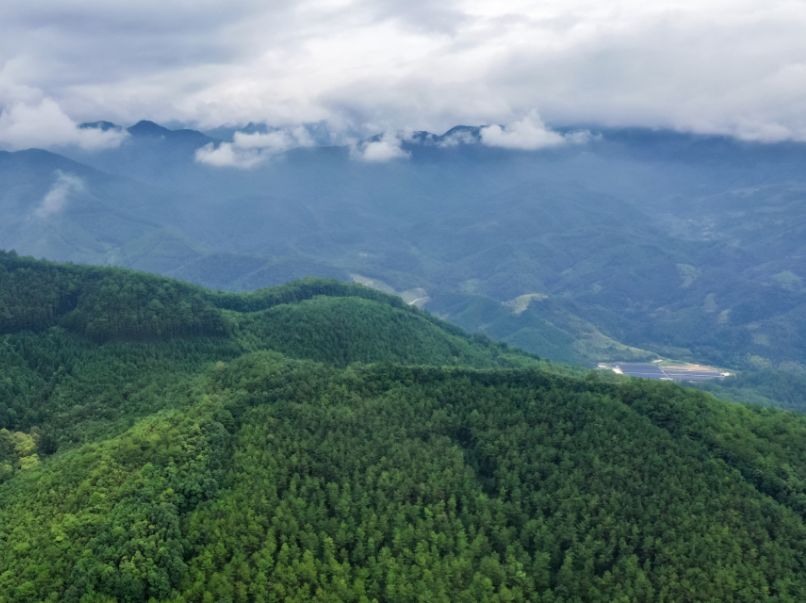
point(528, 134)
point(379, 150)
point(43, 124)
point(55, 200)
point(226, 155)
point(250, 149)
point(712, 66)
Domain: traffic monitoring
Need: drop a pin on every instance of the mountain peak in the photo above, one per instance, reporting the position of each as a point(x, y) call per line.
point(462, 133)
point(145, 127)
point(150, 129)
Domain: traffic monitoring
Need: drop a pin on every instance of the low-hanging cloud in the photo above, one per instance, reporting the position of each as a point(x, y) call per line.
point(250, 149)
point(457, 138)
point(387, 147)
point(43, 124)
point(64, 186)
point(527, 134)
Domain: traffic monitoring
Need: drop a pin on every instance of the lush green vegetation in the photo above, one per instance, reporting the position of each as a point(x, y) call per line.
point(783, 387)
point(281, 447)
point(100, 304)
point(87, 348)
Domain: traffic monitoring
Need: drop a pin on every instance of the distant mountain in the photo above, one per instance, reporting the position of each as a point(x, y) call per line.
point(159, 441)
point(149, 129)
point(100, 125)
point(633, 244)
point(151, 153)
point(145, 129)
point(56, 207)
point(461, 135)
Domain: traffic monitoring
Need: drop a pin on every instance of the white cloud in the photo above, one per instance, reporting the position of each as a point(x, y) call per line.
point(276, 141)
point(716, 66)
point(386, 148)
point(43, 124)
point(250, 149)
point(55, 200)
point(528, 133)
point(227, 155)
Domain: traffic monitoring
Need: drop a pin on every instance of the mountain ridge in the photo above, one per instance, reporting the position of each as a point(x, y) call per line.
point(684, 246)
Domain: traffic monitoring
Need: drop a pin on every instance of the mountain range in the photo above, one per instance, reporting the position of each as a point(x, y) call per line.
point(623, 244)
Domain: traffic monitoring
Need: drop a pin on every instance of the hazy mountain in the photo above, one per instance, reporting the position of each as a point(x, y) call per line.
point(625, 243)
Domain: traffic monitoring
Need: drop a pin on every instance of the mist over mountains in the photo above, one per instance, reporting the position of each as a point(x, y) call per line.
point(578, 245)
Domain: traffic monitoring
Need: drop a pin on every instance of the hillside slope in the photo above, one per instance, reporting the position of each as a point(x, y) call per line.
point(85, 346)
point(180, 453)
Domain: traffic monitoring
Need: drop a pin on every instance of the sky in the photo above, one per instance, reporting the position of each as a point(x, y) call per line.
point(523, 67)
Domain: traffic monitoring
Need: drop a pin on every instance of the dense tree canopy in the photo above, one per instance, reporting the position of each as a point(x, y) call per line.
point(328, 444)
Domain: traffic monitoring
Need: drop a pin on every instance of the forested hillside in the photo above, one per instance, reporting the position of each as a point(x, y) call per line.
point(83, 347)
point(322, 441)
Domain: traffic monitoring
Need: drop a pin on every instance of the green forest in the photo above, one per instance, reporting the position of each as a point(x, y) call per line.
point(321, 441)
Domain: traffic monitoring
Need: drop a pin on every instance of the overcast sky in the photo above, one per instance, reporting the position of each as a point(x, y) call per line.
point(736, 67)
